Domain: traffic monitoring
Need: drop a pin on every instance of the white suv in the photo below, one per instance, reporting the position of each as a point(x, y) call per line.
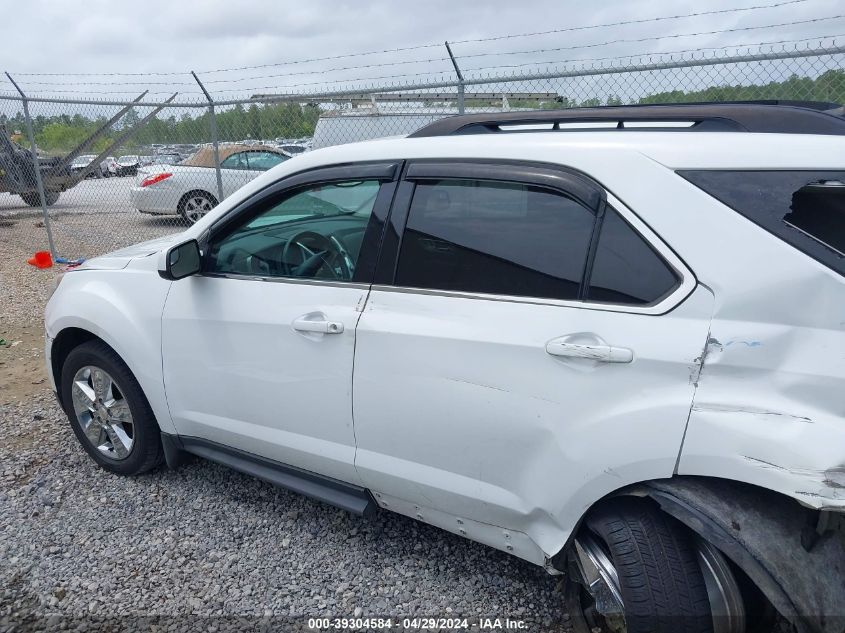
point(609, 341)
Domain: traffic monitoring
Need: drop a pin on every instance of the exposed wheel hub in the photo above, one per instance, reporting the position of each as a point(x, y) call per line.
point(600, 579)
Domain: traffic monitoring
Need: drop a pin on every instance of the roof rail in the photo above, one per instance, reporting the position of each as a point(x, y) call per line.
point(786, 117)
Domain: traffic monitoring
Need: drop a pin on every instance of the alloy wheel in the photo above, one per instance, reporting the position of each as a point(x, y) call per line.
point(196, 207)
point(103, 413)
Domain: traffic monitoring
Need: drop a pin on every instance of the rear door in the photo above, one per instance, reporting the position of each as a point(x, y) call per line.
point(529, 346)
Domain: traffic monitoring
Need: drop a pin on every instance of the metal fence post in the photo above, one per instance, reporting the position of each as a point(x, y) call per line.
point(36, 164)
point(214, 143)
point(460, 79)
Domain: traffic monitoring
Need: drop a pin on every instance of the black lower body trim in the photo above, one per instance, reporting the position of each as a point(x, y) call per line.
point(340, 494)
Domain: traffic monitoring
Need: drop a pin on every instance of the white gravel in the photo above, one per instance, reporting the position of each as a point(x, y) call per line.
point(77, 541)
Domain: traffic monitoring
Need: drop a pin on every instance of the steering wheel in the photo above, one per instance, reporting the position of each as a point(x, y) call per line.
point(317, 251)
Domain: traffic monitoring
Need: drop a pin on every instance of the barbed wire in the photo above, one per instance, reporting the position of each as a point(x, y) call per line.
point(431, 60)
point(219, 81)
point(332, 84)
point(428, 46)
point(724, 49)
point(629, 22)
point(655, 38)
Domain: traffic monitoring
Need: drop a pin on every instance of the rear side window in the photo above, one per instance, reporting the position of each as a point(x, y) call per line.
point(626, 268)
point(804, 208)
point(495, 238)
point(522, 240)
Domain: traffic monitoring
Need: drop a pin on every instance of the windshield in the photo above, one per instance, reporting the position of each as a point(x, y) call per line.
point(83, 160)
point(127, 159)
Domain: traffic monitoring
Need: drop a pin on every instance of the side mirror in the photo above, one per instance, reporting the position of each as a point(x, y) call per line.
point(182, 260)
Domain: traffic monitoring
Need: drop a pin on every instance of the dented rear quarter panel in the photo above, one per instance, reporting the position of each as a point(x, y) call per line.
point(769, 408)
point(769, 405)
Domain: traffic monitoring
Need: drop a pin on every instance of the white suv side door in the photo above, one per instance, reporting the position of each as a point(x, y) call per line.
point(258, 348)
point(500, 384)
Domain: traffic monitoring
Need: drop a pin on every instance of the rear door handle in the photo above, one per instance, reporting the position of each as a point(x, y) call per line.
point(600, 353)
point(321, 326)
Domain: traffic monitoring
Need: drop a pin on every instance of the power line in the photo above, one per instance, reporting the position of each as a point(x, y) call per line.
point(423, 46)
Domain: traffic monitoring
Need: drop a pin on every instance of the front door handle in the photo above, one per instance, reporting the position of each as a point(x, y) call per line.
point(320, 326)
point(601, 353)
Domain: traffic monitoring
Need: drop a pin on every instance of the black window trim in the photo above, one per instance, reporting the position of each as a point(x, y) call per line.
point(383, 171)
point(546, 175)
point(801, 241)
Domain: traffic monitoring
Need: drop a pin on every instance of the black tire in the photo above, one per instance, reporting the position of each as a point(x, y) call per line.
point(189, 198)
point(146, 452)
point(660, 580)
point(34, 200)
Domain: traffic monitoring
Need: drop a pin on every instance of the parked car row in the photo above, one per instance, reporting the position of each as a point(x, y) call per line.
point(106, 168)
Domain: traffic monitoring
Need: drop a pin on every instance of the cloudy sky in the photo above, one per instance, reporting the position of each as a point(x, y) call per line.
point(175, 36)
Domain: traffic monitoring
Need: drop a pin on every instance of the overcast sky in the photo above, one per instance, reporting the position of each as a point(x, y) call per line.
point(111, 36)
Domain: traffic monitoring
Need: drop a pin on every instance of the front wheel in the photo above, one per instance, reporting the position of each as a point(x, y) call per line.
point(642, 571)
point(108, 410)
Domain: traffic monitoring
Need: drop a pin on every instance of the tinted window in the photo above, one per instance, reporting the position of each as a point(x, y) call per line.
point(235, 161)
point(314, 233)
point(262, 161)
point(626, 269)
point(804, 208)
point(498, 238)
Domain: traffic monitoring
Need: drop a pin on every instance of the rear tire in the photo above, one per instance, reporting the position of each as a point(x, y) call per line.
point(660, 580)
point(195, 204)
point(145, 451)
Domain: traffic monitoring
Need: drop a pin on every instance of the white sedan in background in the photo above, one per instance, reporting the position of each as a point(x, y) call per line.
point(190, 188)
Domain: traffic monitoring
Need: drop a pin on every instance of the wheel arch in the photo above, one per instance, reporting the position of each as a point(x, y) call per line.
point(66, 340)
point(762, 532)
point(89, 305)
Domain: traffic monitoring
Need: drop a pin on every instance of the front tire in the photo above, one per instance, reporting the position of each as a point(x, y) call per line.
point(654, 582)
point(108, 411)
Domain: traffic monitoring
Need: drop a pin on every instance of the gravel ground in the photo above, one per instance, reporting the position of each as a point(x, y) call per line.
point(202, 547)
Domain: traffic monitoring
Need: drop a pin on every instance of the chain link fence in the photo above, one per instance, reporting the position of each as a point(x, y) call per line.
point(111, 172)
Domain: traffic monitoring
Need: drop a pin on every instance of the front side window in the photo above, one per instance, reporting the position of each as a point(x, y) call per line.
point(312, 233)
point(495, 238)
